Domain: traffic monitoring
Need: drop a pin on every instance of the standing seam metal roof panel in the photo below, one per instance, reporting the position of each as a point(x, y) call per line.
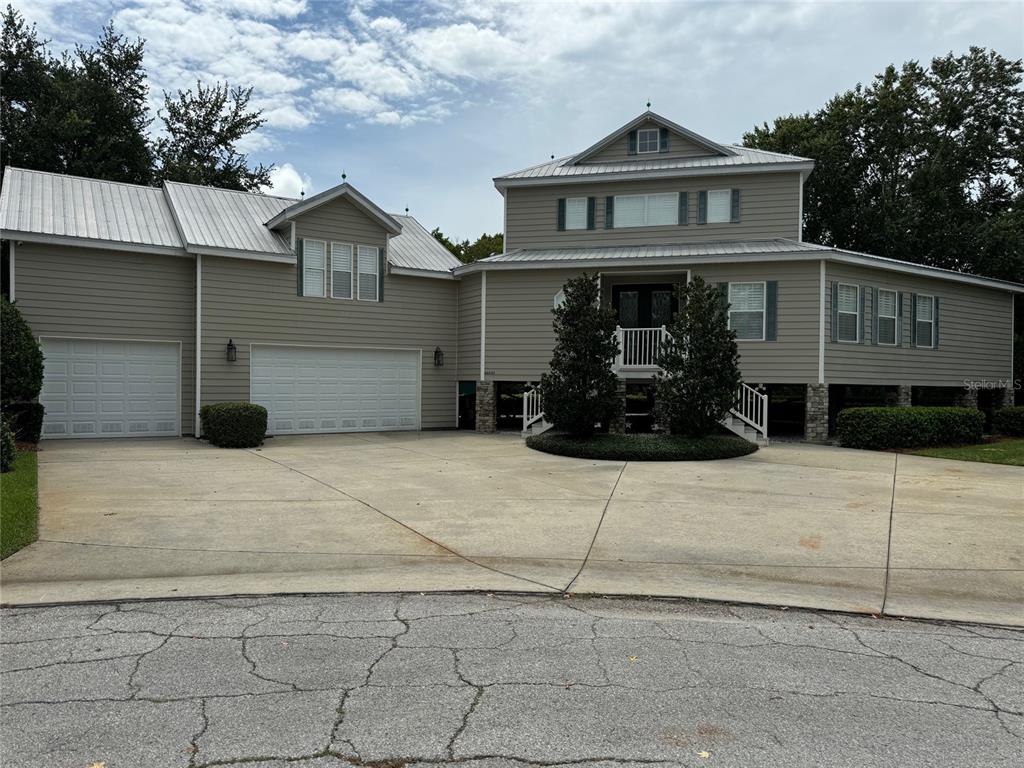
point(416, 248)
point(651, 251)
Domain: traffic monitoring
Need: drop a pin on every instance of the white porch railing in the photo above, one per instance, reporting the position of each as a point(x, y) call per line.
point(533, 408)
point(752, 408)
point(639, 347)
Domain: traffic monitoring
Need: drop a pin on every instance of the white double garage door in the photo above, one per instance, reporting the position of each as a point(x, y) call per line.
point(107, 388)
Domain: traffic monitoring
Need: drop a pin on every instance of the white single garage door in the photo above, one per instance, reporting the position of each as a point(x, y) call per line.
point(318, 389)
point(97, 388)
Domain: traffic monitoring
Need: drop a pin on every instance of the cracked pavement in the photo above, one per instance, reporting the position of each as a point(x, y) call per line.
point(499, 681)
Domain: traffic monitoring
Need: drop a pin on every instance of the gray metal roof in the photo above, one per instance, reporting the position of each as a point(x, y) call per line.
point(640, 252)
point(223, 219)
point(744, 158)
point(416, 248)
point(183, 218)
point(33, 202)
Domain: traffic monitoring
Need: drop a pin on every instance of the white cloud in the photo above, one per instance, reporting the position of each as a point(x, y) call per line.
point(286, 181)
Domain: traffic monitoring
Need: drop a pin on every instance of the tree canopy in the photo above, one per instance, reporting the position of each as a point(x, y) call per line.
point(466, 252)
point(86, 113)
point(924, 164)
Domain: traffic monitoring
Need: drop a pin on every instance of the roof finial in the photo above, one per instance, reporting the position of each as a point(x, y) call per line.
point(302, 194)
point(407, 210)
point(648, 104)
point(343, 174)
point(552, 157)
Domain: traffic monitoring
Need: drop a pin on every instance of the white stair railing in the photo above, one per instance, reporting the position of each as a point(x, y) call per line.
point(752, 408)
point(533, 407)
point(639, 347)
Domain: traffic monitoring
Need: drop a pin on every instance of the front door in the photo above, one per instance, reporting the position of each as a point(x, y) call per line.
point(647, 305)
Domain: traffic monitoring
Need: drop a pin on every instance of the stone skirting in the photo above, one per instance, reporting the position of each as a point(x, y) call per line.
point(486, 411)
point(816, 413)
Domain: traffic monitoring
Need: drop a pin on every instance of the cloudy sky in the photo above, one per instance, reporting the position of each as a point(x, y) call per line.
point(422, 103)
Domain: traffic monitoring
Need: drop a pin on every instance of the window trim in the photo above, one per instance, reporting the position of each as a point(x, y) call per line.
point(764, 306)
point(657, 141)
point(586, 204)
point(859, 313)
point(322, 270)
point(645, 195)
point(376, 273)
point(728, 215)
point(895, 317)
point(351, 271)
point(931, 323)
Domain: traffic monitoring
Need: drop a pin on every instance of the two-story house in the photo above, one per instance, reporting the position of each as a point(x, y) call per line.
point(337, 316)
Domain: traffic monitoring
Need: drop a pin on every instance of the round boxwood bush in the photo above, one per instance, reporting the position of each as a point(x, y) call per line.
point(641, 447)
point(1009, 421)
point(7, 448)
point(234, 425)
point(886, 428)
point(26, 420)
point(21, 366)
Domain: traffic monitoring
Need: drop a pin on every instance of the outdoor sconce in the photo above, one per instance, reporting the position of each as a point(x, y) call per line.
point(438, 357)
point(232, 351)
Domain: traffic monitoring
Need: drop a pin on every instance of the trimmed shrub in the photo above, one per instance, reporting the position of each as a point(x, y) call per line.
point(1009, 421)
point(21, 359)
point(884, 428)
point(8, 451)
point(234, 425)
point(26, 420)
point(640, 447)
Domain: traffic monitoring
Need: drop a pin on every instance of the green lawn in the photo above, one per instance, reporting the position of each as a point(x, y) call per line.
point(19, 504)
point(997, 452)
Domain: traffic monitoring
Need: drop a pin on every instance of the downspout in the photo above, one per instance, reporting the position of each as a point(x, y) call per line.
point(483, 322)
point(199, 340)
point(800, 214)
point(821, 323)
point(10, 268)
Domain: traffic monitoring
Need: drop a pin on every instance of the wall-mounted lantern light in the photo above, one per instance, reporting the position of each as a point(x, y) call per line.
point(438, 357)
point(232, 351)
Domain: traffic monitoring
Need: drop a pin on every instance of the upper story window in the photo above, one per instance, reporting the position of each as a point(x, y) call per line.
point(314, 267)
point(648, 140)
point(576, 212)
point(719, 206)
point(886, 314)
point(848, 313)
point(369, 263)
point(747, 310)
point(646, 210)
point(924, 321)
point(341, 271)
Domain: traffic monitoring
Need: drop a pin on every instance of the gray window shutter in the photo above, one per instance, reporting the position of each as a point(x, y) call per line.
point(702, 207)
point(632, 142)
point(663, 140)
point(298, 266)
point(900, 298)
point(874, 316)
point(734, 214)
point(723, 288)
point(609, 212)
point(863, 330)
point(771, 310)
point(913, 319)
point(835, 311)
point(591, 201)
point(561, 214)
point(684, 208)
point(935, 327)
point(382, 267)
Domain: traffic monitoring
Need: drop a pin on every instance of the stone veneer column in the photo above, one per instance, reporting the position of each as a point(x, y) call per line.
point(618, 424)
point(904, 396)
point(486, 413)
point(1003, 398)
point(816, 413)
point(968, 398)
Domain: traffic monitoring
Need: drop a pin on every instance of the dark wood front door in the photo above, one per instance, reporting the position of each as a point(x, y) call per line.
point(645, 305)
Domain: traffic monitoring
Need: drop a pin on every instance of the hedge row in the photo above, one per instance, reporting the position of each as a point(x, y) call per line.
point(1009, 421)
point(8, 451)
point(885, 428)
point(641, 447)
point(234, 425)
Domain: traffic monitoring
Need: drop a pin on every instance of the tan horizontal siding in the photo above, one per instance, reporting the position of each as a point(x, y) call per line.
point(469, 328)
point(769, 208)
point(975, 334)
point(341, 221)
point(91, 293)
point(678, 146)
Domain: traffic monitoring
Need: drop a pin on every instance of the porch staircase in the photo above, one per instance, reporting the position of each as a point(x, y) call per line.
point(748, 418)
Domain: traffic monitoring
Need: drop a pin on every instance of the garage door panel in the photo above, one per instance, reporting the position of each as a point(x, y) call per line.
point(309, 389)
point(97, 388)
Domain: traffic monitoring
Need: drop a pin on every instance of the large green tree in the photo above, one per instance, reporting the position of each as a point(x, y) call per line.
point(466, 251)
point(924, 164)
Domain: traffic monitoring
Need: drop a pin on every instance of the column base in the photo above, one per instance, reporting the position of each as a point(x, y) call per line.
point(816, 413)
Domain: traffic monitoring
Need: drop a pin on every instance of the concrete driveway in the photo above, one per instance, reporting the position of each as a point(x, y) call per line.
point(792, 524)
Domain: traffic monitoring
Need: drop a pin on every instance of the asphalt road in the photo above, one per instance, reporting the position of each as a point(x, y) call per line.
point(480, 680)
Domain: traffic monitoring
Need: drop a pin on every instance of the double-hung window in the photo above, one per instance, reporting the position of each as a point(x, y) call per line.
point(646, 210)
point(924, 318)
point(314, 267)
point(648, 140)
point(719, 206)
point(747, 310)
point(341, 271)
point(576, 213)
point(886, 316)
point(367, 270)
point(848, 319)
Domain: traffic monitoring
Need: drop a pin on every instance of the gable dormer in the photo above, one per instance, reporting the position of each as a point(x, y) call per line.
point(650, 137)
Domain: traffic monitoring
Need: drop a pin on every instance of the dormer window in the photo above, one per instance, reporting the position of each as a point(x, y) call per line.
point(648, 140)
